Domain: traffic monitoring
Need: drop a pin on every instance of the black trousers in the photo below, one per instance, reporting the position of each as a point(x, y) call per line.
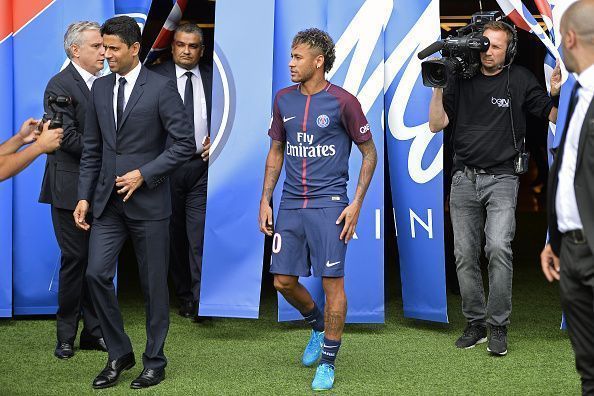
point(73, 292)
point(151, 245)
point(577, 299)
point(188, 205)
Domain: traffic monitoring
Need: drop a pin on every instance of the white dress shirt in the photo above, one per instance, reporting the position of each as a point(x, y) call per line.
point(200, 111)
point(568, 216)
point(131, 78)
point(87, 77)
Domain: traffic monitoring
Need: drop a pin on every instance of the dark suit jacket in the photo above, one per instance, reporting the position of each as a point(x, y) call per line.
point(60, 180)
point(583, 183)
point(153, 113)
point(167, 69)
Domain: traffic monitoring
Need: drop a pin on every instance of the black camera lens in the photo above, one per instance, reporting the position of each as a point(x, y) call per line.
point(434, 73)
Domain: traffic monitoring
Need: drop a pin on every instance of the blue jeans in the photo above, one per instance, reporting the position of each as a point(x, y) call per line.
point(484, 205)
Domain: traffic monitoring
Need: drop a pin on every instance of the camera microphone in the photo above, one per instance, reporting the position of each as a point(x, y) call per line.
point(465, 43)
point(436, 46)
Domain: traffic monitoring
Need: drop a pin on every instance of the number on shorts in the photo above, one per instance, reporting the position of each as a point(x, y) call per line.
point(276, 243)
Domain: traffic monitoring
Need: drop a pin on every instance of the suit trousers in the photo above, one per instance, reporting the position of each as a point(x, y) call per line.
point(151, 245)
point(577, 300)
point(73, 292)
point(188, 203)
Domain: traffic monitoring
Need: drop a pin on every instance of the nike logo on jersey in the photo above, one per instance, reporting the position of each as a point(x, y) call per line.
point(285, 119)
point(329, 264)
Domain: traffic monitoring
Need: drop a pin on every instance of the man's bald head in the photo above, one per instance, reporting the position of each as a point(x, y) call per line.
point(579, 18)
point(577, 30)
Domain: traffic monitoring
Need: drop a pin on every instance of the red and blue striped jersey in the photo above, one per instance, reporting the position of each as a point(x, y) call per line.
point(318, 131)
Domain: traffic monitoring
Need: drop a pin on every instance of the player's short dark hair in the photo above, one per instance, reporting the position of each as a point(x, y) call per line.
point(124, 27)
point(320, 40)
point(190, 28)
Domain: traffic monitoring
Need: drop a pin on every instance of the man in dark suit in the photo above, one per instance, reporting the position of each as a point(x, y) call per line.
point(84, 48)
point(123, 172)
point(189, 182)
point(569, 255)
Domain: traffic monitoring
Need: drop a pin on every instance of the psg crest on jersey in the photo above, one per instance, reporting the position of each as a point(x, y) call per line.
point(323, 121)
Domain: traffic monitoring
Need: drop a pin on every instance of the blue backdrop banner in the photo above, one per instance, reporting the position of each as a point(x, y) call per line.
point(35, 62)
point(416, 160)
point(233, 244)
point(359, 68)
point(6, 132)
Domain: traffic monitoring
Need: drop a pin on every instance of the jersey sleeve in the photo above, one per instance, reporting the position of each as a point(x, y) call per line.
point(354, 121)
point(277, 129)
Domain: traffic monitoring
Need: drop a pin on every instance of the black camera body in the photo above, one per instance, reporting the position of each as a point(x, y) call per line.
point(461, 53)
point(56, 104)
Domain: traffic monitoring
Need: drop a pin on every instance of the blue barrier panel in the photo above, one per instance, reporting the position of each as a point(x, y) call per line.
point(233, 245)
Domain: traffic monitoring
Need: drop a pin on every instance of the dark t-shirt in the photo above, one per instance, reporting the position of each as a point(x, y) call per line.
point(479, 109)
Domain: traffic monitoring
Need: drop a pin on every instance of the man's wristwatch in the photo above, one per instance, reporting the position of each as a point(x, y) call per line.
point(555, 100)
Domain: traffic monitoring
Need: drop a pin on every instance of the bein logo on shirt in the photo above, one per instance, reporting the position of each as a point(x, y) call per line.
point(500, 102)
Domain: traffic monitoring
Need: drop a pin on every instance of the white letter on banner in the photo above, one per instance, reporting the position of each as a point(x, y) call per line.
point(427, 226)
point(362, 35)
point(419, 37)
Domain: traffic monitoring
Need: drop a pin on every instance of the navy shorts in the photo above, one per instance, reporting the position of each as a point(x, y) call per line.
point(308, 238)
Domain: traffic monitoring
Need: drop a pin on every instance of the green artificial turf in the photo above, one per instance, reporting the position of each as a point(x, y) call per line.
point(404, 356)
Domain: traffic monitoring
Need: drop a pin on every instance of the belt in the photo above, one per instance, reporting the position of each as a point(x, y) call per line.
point(476, 171)
point(471, 172)
point(575, 236)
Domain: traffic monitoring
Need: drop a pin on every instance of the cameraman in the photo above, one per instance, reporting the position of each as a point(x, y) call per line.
point(484, 182)
point(12, 162)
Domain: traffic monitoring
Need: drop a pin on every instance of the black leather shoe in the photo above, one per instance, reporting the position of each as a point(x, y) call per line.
point(64, 350)
point(110, 374)
point(148, 377)
point(187, 309)
point(93, 344)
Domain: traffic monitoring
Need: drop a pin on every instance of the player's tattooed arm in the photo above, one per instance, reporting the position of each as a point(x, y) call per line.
point(350, 214)
point(367, 168)
point(274, 164)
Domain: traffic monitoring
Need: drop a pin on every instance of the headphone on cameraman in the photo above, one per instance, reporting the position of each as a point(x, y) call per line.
point(512, 46)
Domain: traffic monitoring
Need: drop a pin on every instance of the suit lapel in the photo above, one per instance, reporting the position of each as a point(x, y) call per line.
point(109, 101)
point(586, 128)
point(207, 86)
point(79, 81)
point(171, 70)
point(134, 96)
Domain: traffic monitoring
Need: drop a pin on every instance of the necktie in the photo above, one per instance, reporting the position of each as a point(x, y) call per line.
point(573, 101)
point(120, 105)
point(189, 98)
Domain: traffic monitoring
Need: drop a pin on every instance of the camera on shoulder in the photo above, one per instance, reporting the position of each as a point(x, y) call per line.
point(461, 53)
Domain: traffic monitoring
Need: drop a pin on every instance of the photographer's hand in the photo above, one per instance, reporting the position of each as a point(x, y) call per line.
point(50, 139)
point(28, 132)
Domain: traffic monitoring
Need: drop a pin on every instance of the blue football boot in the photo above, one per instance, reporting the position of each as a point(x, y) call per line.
point(324, 379)
point(313, 350)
